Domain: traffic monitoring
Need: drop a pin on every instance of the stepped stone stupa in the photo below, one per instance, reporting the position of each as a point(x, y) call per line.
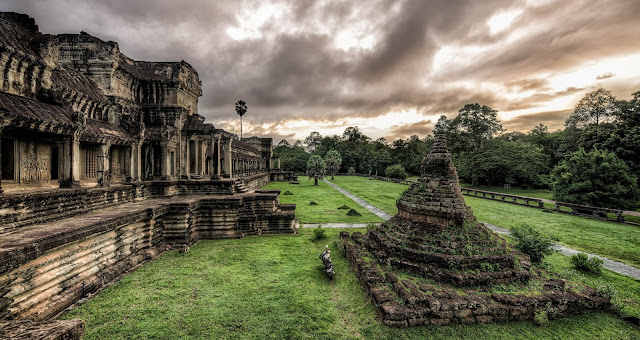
point(434, 263)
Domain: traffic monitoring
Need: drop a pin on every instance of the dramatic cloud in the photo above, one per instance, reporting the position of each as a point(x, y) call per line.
point(386, 66)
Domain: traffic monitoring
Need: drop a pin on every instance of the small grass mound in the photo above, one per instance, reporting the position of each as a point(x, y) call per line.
point(287, 193)
point(353, 212)
point(313, 203)
point(294, 182)
point(344, 207)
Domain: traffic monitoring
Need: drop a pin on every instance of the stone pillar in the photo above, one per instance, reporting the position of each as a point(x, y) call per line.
point(102, 168)
point(228, 162)
point(74, 160)
point(211, 145)
point(128, 169)
point(218, 150)
point(184, 157)
point(137, 161)
point(164, 161)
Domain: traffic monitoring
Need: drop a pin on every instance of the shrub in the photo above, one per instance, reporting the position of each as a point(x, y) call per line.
point(396, 171)
point(319, 233)
point(540, 317)
point(351, 171)
point(581, 261)
point(530, 242)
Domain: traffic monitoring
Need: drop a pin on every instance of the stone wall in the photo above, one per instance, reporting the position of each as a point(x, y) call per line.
point(62, 246)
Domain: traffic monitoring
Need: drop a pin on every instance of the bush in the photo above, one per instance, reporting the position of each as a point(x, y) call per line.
point(530, 242)
point(582, 262)
point(396, 171)
point(351, 171)
point(319, 233)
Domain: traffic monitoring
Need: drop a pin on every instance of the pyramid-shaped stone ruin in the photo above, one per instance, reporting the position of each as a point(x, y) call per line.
point(434, 263)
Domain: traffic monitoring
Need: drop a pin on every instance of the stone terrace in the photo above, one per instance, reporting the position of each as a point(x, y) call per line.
point(65, 245)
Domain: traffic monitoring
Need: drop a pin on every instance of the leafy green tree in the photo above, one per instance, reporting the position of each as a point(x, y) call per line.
point(333, 160)
point(594, 108)
point(515, 163)
point(312, 141)
point(596, 178)
point(292, 158)
point(479, 122)
point(316, 168)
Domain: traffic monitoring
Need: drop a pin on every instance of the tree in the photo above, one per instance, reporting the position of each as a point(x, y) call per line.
point(313, 140)
point(354, 134)
point(479, 122)
point(241, 109)
point(594, 108)
point(515, 163)
point(596, 178)
point(315, 168)
point(333, 161)
point(284, 143)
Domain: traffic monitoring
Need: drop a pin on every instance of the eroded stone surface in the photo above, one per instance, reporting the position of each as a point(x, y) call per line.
point(433, 263)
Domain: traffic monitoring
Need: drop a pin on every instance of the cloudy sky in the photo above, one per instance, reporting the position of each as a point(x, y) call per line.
point(390, 67)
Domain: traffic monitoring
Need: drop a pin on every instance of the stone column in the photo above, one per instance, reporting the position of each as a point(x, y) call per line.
point(128, 169)
point(228, 162)
point(102, 168)
point(218, 165)
point(184, 157)
point(210, 159)
point(137, 161)
point(74, 160)
point(164, 161)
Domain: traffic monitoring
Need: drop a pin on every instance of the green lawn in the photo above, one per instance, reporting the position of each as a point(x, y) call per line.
point(273, 287)
point(381, 194)
point(613, 240)
point(328, 200)
point(537, 193)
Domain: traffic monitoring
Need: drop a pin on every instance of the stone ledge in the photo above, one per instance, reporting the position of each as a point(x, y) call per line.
point(45, 330)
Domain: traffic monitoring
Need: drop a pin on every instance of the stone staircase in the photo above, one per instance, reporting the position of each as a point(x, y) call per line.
point(240, 187)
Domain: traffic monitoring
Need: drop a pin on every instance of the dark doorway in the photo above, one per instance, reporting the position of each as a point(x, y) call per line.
point(54, 162)
point(8, 159)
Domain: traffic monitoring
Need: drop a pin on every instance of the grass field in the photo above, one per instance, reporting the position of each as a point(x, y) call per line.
point(328, 201)
point(273, 287)
point(537, 193)
point(613, 240)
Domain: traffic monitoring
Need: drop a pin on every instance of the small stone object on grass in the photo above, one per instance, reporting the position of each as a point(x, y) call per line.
point(313, 203)
point(344, 207)
point(287, 193)
point(353, 212)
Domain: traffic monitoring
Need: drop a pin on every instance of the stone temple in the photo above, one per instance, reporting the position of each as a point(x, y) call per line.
point(433, 263)
point(105, 163)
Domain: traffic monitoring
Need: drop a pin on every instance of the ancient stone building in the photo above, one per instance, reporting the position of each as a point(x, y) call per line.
point(105, 163)
point(433, 263)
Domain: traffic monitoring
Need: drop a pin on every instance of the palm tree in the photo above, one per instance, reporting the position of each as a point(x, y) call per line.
point(241, 109)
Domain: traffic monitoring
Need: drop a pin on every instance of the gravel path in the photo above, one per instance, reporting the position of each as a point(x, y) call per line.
point(383, 215)
point(614, 266)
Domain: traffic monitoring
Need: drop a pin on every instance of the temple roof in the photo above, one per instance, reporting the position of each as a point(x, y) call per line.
point(23, 109)
point(100, 132)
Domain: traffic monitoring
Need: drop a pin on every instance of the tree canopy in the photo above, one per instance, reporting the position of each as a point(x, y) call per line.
point(316, 168)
